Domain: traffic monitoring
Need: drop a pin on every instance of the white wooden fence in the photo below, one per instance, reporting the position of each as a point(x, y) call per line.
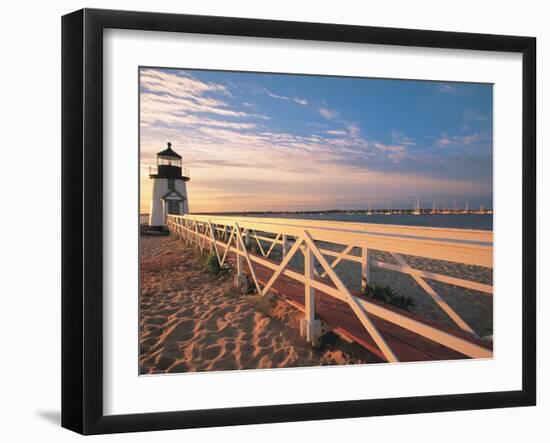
point(232, 234)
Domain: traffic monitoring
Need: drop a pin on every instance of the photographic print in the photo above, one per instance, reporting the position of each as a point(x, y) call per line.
point(307, 206)
point(305, 220)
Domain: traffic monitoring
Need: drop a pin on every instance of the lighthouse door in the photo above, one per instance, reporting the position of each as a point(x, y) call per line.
point(173, 207)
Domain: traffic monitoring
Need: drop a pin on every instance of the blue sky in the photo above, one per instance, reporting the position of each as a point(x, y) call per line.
point(258, 141)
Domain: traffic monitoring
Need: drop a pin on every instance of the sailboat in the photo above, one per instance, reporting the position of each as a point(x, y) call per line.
point(370, 212)
point(388, 212)
point(417, 208)
point(445, 209)
point(433, 209)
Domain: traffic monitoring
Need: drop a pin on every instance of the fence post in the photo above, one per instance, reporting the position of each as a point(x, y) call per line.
point(365, 268)
point(183, 231)
point(212, 237)
point(285, 246)
point(239, 261)
point(309, 324)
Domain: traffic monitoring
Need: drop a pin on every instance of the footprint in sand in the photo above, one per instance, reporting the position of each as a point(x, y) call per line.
point(226, 361)
point(179, 367)
point(182, 332)
point(211, 352)
point(265, 342)
point(230, 346)
point(279, 356)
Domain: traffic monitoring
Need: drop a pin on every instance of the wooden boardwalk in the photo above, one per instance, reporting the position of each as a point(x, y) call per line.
point(407, 345)
point(390, 333)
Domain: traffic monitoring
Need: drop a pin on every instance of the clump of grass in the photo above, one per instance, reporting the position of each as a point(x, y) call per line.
point(211, 264)
point(387, 295)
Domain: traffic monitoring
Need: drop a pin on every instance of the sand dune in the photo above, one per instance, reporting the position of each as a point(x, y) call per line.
point(192, 321)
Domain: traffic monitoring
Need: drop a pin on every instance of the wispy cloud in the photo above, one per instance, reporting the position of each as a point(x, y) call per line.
point(262, 90)
point(181, 84)
point(336, 132)
point(300, 101)
point(164, 95)
point(179, 99)
point(453, 141)
point(393, 152)
point(353, 130)
point(329, 114)
point(446, 88)
point(398, 137)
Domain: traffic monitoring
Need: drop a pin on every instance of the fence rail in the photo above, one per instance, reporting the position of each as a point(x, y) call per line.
point(225, 235)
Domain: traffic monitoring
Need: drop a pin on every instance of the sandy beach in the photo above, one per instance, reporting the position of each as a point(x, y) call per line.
point(192, 321)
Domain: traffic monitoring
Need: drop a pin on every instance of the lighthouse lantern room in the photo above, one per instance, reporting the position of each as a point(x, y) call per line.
point(169, 187)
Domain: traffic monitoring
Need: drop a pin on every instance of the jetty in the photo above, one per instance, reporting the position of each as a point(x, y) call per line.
point(249, 244)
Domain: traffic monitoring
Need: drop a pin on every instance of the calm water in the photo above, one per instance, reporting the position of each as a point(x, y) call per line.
point(460, 221)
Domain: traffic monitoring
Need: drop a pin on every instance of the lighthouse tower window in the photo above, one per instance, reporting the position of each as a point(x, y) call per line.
point(168, 161)
point(171, 184)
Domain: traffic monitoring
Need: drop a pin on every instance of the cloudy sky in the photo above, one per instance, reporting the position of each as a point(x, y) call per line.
point(292, 142)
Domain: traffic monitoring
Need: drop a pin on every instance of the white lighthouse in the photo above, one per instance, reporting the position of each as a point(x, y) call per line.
point(169, 187)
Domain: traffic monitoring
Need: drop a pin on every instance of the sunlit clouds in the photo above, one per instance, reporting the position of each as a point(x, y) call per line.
point(280, 142)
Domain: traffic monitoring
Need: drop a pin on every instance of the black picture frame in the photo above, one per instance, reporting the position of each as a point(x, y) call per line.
point(82, 215)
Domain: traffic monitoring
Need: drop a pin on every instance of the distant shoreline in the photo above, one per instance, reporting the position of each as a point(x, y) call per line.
point(394, 211)
point(455, 220)
point(352, 212)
